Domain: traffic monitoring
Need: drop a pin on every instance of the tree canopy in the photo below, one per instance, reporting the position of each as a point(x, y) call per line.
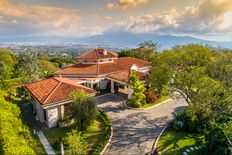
point(138, 96)
point(83, 109)
point(144, 51)
point(203, 77)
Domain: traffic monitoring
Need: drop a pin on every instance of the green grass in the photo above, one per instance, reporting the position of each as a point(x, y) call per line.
point(32, 140)
point(91, 135)
point(159, 100)
point(182, 141)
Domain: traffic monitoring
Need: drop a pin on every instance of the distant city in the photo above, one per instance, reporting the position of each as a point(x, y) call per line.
point(56, 49)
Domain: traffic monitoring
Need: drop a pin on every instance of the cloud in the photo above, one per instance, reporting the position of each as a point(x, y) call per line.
point(37, 20)
point(108, 17)
point(123, 4)
point(207, 17)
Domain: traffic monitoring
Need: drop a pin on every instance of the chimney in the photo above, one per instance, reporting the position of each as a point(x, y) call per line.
point(105, 52)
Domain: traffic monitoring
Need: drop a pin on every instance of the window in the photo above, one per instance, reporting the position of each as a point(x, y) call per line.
point(45, 115)
point(67, 110)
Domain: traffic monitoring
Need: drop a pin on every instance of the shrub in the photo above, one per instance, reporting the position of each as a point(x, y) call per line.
point(151, 96)
point(177, 124)
point(190, 124)
point(138, 98)
point(13, 133)
point(218, 142)
point(107, 132)
point(76, 145)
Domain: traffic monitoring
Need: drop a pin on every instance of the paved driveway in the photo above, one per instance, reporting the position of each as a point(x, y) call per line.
point(136, 130)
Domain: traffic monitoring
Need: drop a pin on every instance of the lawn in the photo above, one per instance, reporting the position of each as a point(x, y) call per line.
point(174, 142)
point(159, 100)
point(91, 135)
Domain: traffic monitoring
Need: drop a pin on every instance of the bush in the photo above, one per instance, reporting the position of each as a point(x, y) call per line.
point(107, 132)
point(76, 145)
point(151, 96)
point(13, 133)
point(190, 124)
point(177, 124)
point(218, 142)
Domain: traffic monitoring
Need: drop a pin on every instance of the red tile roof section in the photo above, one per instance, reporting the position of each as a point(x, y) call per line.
point(98, 54)
point(54, 90)
point(106, 68)
point(123, 76)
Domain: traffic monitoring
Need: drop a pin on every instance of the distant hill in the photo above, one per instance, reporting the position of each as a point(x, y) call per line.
point(128, 39)
point(119, 39)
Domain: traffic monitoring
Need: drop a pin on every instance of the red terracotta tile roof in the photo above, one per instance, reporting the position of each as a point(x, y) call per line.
point(98, 54)
point(54, 89)
point(124, 76)
point(101, 69)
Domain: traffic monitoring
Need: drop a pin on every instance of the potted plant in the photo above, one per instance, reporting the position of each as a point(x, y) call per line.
point(65, 121)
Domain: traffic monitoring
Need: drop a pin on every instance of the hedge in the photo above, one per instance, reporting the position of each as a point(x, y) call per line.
point(13, 133)
point(107, 132)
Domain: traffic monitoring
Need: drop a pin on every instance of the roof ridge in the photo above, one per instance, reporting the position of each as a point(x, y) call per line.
point(52, 91)
point(97, 53)
point(86, 53)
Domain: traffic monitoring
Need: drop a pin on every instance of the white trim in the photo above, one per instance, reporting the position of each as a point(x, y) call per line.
point(111, 79)
point(157, 139)
point(108, 143)
point(124, 103)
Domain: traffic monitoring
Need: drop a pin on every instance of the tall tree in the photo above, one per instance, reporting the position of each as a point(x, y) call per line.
point(47, 68)
point(138, 97)
point(7, 64)
point(203, 77)
point(145, 51)
point(83, 109)
point(28, 66)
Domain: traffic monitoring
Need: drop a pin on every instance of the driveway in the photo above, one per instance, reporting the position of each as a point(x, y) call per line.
point(134, 131)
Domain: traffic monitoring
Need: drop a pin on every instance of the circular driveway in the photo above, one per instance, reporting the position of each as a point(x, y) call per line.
point(134, 131)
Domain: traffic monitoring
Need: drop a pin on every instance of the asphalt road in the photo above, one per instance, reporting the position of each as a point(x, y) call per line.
point(134, 131)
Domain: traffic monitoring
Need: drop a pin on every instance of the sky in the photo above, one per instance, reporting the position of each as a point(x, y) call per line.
point(206, 19)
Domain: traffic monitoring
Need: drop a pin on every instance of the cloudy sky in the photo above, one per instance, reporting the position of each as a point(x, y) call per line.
point(208, 19)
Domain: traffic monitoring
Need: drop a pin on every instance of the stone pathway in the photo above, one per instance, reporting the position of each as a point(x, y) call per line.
point(45, 143)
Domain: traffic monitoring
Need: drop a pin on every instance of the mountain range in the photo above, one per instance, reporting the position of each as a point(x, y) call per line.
point(123, 39)
point(131, 40)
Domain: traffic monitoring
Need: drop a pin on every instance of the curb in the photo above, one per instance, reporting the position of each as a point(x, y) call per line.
point(108, 143)
point(148, 107)
point(157, 139)
point(103, 95)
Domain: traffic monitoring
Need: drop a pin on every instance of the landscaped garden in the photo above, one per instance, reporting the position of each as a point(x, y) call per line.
point(159, 100)
point(92, 135)
point(174, 142)
point(88, 134)
point(144, 97)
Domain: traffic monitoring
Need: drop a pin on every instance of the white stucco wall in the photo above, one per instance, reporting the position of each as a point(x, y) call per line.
point(103, 83)
point(39, 112)
point(53, 115)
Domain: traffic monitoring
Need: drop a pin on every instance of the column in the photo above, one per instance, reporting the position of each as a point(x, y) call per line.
point(112, 86)
point(62, 111)
point(91, 84)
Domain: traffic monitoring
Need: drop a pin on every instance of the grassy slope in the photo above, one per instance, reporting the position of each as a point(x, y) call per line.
point(33, 140)
point(182, 140)
point(159, 100)
point(91, 135)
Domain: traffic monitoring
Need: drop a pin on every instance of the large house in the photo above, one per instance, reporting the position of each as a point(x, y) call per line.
point(100, 67)
point(97, 69)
